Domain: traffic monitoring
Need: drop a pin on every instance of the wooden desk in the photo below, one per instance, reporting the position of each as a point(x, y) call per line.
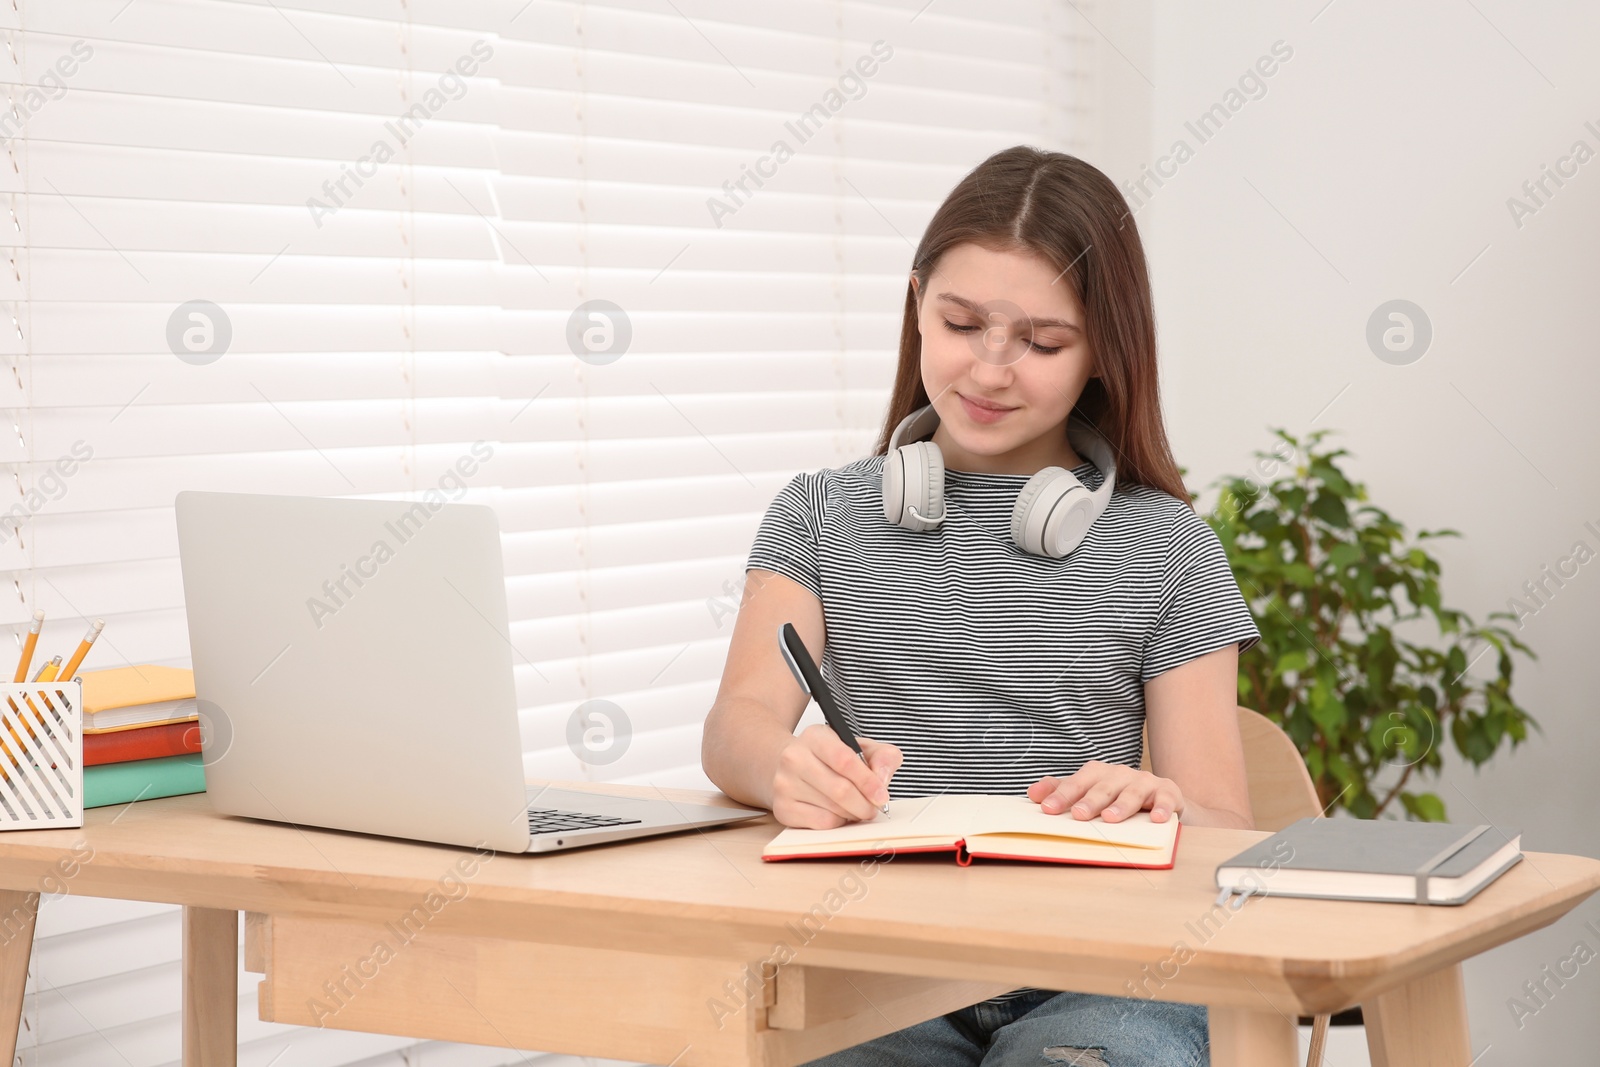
point(663, 950)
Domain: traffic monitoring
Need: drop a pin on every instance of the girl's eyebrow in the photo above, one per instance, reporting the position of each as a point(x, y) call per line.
point(1036, 323)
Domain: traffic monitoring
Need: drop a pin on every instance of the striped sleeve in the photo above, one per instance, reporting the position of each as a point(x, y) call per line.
point(1200, 608)
point(790, 532)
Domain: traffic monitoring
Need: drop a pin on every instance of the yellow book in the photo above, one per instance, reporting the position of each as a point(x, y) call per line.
point(125, 698)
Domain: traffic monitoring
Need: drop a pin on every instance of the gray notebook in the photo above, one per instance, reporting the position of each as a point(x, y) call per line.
point(1370, 859)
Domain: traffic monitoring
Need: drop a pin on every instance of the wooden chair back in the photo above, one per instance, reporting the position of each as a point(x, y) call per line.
point(1280, 787)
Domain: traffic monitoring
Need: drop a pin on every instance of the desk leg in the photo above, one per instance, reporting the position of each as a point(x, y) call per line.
point(1420, 1024)
point(210, 987)
point(1246, 1038)
point(18, 910)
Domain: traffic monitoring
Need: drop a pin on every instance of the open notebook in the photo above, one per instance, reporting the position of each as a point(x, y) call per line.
point(991, 826)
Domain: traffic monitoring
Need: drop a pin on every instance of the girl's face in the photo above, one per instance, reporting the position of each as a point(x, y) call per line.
point(1004, 359)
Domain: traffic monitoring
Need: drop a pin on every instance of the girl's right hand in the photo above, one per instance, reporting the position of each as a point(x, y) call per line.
point(821, 783)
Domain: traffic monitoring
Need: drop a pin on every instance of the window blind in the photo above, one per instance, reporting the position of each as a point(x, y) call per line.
point(326, 246)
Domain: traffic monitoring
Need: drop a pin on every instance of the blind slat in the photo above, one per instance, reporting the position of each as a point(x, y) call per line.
point(395, 296)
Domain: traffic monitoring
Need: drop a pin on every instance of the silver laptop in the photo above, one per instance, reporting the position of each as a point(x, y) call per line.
point(353, 669)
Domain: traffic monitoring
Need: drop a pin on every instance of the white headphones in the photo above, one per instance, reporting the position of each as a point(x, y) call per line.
point(1051, 515)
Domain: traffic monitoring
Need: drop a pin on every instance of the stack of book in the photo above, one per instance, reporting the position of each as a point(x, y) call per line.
point(141, 735)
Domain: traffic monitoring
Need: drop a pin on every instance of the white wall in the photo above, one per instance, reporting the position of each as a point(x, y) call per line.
point(1378, 165)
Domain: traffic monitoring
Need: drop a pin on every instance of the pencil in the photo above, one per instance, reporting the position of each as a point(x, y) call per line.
point(45, 673)
point(37, 675)
point(27, 646)
point(21, 675)
point(50, 672)
point(83, 650)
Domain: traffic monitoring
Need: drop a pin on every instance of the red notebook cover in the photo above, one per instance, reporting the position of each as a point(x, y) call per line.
point(988, 826)
point(145, 742)
point(964, 858)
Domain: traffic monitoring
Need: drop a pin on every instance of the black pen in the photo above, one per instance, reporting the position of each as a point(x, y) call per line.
point(810, 679)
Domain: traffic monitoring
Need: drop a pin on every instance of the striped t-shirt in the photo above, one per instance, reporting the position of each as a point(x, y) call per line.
point(990, 667)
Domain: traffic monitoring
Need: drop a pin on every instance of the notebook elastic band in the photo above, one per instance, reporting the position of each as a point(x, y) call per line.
point(1423, 871)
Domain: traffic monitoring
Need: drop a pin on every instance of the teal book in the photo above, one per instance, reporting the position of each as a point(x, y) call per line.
point(143, 779)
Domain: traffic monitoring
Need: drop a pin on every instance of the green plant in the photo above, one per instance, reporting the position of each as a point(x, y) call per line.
point(1334, 583)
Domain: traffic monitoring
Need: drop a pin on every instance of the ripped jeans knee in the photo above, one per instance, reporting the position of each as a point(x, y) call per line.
point(1089, 1030)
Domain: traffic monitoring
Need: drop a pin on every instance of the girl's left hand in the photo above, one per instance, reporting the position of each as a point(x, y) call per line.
point(1111, 790)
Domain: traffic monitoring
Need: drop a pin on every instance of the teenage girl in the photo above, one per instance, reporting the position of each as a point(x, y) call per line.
point(978, 636)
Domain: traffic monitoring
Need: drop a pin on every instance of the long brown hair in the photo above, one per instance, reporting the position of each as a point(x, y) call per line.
point(1059, 207)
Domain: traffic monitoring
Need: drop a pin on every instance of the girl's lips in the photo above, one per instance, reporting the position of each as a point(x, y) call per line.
point(981, 414)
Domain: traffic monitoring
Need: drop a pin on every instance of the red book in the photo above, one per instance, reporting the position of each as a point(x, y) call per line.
point(144, 742)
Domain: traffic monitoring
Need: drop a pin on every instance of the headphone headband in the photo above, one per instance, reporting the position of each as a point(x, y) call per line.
point(1083, 437)
point(1088, 442)
point(1052, 513)
point(917, 425)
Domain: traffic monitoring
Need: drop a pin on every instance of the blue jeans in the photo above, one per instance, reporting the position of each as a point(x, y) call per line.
point(1044, 1029)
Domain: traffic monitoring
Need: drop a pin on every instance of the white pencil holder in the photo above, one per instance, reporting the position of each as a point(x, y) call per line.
point(41, 755)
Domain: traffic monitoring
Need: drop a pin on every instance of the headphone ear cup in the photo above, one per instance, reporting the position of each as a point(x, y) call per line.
point(894, 485)
point(1069, 522)
point(925, 480)
point(1052, 513)
point(1023, 505)
point(913, 477)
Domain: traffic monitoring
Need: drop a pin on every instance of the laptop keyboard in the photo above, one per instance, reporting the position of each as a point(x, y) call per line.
point(552, 820)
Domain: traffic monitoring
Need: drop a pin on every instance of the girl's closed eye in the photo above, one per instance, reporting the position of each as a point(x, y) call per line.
point(969, 327)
